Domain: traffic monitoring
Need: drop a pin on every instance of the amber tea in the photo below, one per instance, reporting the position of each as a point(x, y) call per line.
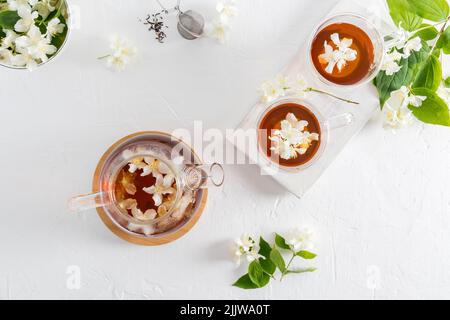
point(145, 188)
point(290, 134)
point(343, 53)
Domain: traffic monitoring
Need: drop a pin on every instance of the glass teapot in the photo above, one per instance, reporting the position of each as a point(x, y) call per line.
point(177, 190)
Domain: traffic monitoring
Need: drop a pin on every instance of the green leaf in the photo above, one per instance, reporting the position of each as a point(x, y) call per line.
point(444, 41)
point(281, 242)
point(447, 82)
point(403, 15)
point(433, 110)
point(264, 250)
point(430, 75)
point(434, 10)
point(245, 283)
point(257, 274)
point(278, 260)
point(386, 84)
point(306, 255)
point(2, 34)
point(427, 33)
point(8, 19)
point(302, 270)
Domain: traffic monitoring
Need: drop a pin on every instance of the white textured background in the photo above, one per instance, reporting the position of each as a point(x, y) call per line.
point(381, 212)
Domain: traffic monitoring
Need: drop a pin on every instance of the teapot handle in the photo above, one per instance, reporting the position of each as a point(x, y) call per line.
point(89, 201)
point(195, 177)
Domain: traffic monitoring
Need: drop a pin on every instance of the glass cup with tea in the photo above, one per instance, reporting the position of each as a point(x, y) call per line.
point(346, 50)
point(293, 133)
point(150, 188)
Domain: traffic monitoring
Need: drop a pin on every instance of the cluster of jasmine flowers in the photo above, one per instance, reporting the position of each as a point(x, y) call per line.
point(246, 248)
point(397, 112)
point(293, 138)
point(122, 52)
point(29, 43)
point(221, 25)
point(283, 86)
point(163, 191)
point(403, 45)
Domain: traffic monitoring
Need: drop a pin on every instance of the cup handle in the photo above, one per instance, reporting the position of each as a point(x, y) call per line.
point(340, 121)
point(89, 201)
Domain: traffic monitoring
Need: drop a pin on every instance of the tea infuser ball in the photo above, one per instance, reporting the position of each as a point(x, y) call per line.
point(191, 24)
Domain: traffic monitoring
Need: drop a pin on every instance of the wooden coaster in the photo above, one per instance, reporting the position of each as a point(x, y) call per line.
point(143, 240)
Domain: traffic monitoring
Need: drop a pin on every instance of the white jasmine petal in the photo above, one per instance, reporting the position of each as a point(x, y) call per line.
point(271, 91)
point(137, 213)
point(283, 148)
point(37, 45)
point(130, 188)
point(345, 43)
point(416, 101)
point(412, 45)
point(23, 59)
point(146, 171)
point(26, 20)
point(298, 87)
point(128, 204)
point(219, 31)
point(335, 38)
point(163, 168)
point(44, 7)
point(16, 4)
point(157, 198)
point(9, 39)
point(150, 214)
point(6, 56)
point(168, 181)
point(390, 65)
point(444, 94)
point(246, 247)
point(300, 239)
point(396, 112)
point(226, 11)
point(150, 190)
point(122, 53)
point(399, 38)
point(54, 27)
point(163, 186)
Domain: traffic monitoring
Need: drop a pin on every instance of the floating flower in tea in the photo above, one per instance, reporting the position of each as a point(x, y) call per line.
point(337, 54)
point(292, 139)
point(155, 167)
point(162, 187)
point(146, 187)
